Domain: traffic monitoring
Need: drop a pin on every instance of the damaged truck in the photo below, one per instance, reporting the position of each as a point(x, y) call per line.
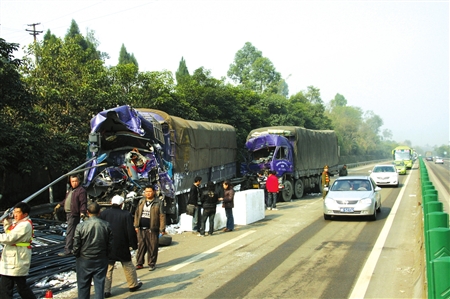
point(298, 156)
point(147, 146)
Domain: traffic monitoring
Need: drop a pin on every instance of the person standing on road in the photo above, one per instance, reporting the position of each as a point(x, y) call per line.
point(150, 223)
point(92, 245)
point(75, 207)
point(262, 180)
point(209, 200)
point(343, 171)
point(194, 199)
point(16, 254)
point(325, 181)
point(121, 224)
point(272, 190)
point(228, 204)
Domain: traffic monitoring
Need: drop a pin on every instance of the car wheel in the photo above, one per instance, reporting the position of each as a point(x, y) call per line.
point(379, 208)
point(373, 217)
point(326, 217)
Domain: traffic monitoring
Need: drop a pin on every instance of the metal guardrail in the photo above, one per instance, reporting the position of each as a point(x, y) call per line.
point(357, 164)
point(437, 238)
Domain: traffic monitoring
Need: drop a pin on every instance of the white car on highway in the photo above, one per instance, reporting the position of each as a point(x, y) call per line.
point(439, 160)
point(385, 174)
point(352, 196)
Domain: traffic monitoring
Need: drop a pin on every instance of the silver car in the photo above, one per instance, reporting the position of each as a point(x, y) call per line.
point(352, 196)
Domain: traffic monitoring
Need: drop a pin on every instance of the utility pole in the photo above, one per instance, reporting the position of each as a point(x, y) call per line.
point(34, 32)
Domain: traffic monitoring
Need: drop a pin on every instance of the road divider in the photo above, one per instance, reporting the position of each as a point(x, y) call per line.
point(437, 238)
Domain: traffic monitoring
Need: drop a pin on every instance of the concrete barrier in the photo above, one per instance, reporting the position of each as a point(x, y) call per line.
point(248, 208)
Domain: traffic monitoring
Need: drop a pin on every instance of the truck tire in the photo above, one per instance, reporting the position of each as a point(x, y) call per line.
point(286, 194)
point(299, 189)
point(165, 240)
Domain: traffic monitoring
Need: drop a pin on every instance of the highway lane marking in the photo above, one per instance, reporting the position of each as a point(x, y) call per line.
point(364, 278)
point(212, 250)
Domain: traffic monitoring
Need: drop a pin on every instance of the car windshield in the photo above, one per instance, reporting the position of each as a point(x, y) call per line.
point(399, 163)
point(351, 185)
point(383, 169)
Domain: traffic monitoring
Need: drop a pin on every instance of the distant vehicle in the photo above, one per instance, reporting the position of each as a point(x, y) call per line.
point(384, 175)
point(352, 196)
point(429, 156)
point(439, 160)
point(404, 153)
point(401, 167)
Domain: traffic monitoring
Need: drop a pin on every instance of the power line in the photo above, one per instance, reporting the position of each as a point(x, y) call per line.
point(34, 32)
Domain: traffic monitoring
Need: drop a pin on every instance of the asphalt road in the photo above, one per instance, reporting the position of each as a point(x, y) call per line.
point(295, 253)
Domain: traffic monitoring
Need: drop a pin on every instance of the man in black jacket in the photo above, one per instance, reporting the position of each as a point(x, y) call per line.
point(75, 207)
point(92, 245)
point(209, 199)
point(121, 223)
point(194, 199)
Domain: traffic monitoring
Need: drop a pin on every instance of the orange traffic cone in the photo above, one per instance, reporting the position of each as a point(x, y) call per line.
point(49, 294)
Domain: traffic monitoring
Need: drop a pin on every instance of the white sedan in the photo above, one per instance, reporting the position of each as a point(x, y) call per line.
point(384, 175)
point(439, 160)
point(352, 196)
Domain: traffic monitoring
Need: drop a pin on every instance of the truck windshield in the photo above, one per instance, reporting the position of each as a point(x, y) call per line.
point(264, 154)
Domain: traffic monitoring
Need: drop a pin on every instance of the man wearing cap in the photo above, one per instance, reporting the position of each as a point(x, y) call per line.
point(121, 224)
point(325, 180)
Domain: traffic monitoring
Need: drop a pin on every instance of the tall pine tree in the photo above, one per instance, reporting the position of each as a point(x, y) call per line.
point(182, 74)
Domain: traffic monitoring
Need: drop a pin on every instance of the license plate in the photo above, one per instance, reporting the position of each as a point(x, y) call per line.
point(346, 210)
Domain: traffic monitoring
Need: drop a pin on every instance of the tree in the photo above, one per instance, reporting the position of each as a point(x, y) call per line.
point(313, 95)
point(69, 84)
point(127, 58)
point(182, 74)
point(346, 122)
point(88, 44)
point(338, 101)
point(22, 135)
point(254, 71)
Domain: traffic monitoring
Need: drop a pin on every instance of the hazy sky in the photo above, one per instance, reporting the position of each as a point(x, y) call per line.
point(390, 57)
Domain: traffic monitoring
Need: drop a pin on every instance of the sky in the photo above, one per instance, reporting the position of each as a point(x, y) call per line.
point(388, 57)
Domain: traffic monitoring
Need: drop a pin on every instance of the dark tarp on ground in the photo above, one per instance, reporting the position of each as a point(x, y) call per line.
point(314, 148)
point(199, 144)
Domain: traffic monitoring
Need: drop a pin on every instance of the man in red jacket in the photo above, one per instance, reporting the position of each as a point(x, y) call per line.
point(272, 190)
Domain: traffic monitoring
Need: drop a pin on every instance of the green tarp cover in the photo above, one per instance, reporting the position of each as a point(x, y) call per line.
point(198, 144)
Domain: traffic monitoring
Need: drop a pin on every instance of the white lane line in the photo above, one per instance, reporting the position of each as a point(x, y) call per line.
point(203, 254)
point(364, 278)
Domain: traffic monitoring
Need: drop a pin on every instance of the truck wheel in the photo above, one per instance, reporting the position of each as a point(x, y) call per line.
point(319, 187)
point(298, 189)
point(165, 240)
point(286, 195)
